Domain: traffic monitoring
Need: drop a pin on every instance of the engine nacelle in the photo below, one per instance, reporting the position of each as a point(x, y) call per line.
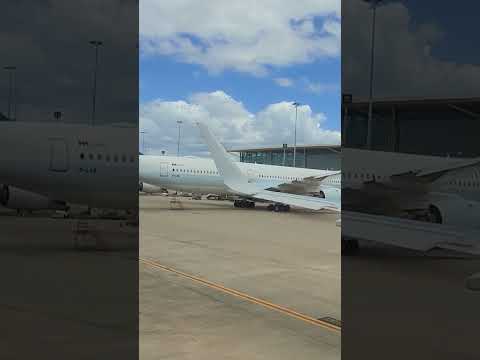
point(455, 211)
point(18, 199)
point(148, 188)
point(330, 194)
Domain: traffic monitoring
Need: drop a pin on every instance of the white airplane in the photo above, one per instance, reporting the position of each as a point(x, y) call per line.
point(253, 187)
point(76, 163)
point(201, 176)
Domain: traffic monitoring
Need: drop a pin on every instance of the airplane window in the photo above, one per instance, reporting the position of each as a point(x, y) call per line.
point(124, 158)
point(115, 158)
point(82, 156)
point(173, 169)
point(108, 158)
point(90, 156)
point(99, 157)
point(132, 158)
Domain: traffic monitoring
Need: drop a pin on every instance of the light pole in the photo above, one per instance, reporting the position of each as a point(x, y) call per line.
point(179, 122)
point(304, 148)
point(11, 92)
point(97, 44)
point(374, 4)
point(296, 104)
point(143, 132)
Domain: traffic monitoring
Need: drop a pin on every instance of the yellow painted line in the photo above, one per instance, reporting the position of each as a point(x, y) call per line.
point(267, 304)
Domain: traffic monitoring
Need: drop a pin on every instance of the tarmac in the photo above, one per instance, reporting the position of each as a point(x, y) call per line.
point(217, 282)
point(59, 302)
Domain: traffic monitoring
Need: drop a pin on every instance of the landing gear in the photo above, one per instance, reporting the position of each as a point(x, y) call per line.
point(278, 207)
point(244, 204)
point(350, 247)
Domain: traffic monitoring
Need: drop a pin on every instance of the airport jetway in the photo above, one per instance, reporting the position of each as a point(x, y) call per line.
point(411, 234)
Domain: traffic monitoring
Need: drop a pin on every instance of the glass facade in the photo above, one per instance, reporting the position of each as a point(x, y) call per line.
point(316, 157)
point(406, 126)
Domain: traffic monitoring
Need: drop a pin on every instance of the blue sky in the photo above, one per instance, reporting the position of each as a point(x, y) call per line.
point(167, 79)
point(237, 70)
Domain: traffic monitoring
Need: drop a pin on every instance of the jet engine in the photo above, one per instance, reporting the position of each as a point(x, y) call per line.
point(18, 199)
point(149, 189)
point(454, 210)
point(330, 194)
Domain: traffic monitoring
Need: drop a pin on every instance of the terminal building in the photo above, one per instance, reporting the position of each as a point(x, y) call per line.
point(326, 157)
point(407, 126)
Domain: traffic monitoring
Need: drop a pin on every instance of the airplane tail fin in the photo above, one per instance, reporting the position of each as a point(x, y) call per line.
point(232, 175)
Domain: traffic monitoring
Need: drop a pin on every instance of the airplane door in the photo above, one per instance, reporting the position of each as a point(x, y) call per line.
point(58, 155)
point(164, 169)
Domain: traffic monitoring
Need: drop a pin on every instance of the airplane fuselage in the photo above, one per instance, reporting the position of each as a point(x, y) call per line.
point(200, 175)
point(95, 166)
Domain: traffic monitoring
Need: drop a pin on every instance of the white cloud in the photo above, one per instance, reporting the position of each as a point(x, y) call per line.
point(405, 62)
point(319, 87)
point(246, 36)
point(283, 82)
point(231, 122)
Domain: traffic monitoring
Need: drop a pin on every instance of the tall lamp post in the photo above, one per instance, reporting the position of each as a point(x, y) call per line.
point(374, 4)
point(179, 122)
point(296, 104)
point(96, 44)
point(12, 108)
point(304, 148)
point(143, 132)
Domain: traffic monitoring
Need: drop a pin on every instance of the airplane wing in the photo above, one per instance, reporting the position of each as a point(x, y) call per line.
point(307, 202)
point(409, 188)
point(309, 184)
point(410, 234)
point(236, 181)
point(426, 175)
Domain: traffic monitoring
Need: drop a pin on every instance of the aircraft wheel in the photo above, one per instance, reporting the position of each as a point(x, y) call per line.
point(286, 208)
point(270, 207)
point(277, 207)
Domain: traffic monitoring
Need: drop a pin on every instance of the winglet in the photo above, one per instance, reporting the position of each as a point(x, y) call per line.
point(232, 175)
